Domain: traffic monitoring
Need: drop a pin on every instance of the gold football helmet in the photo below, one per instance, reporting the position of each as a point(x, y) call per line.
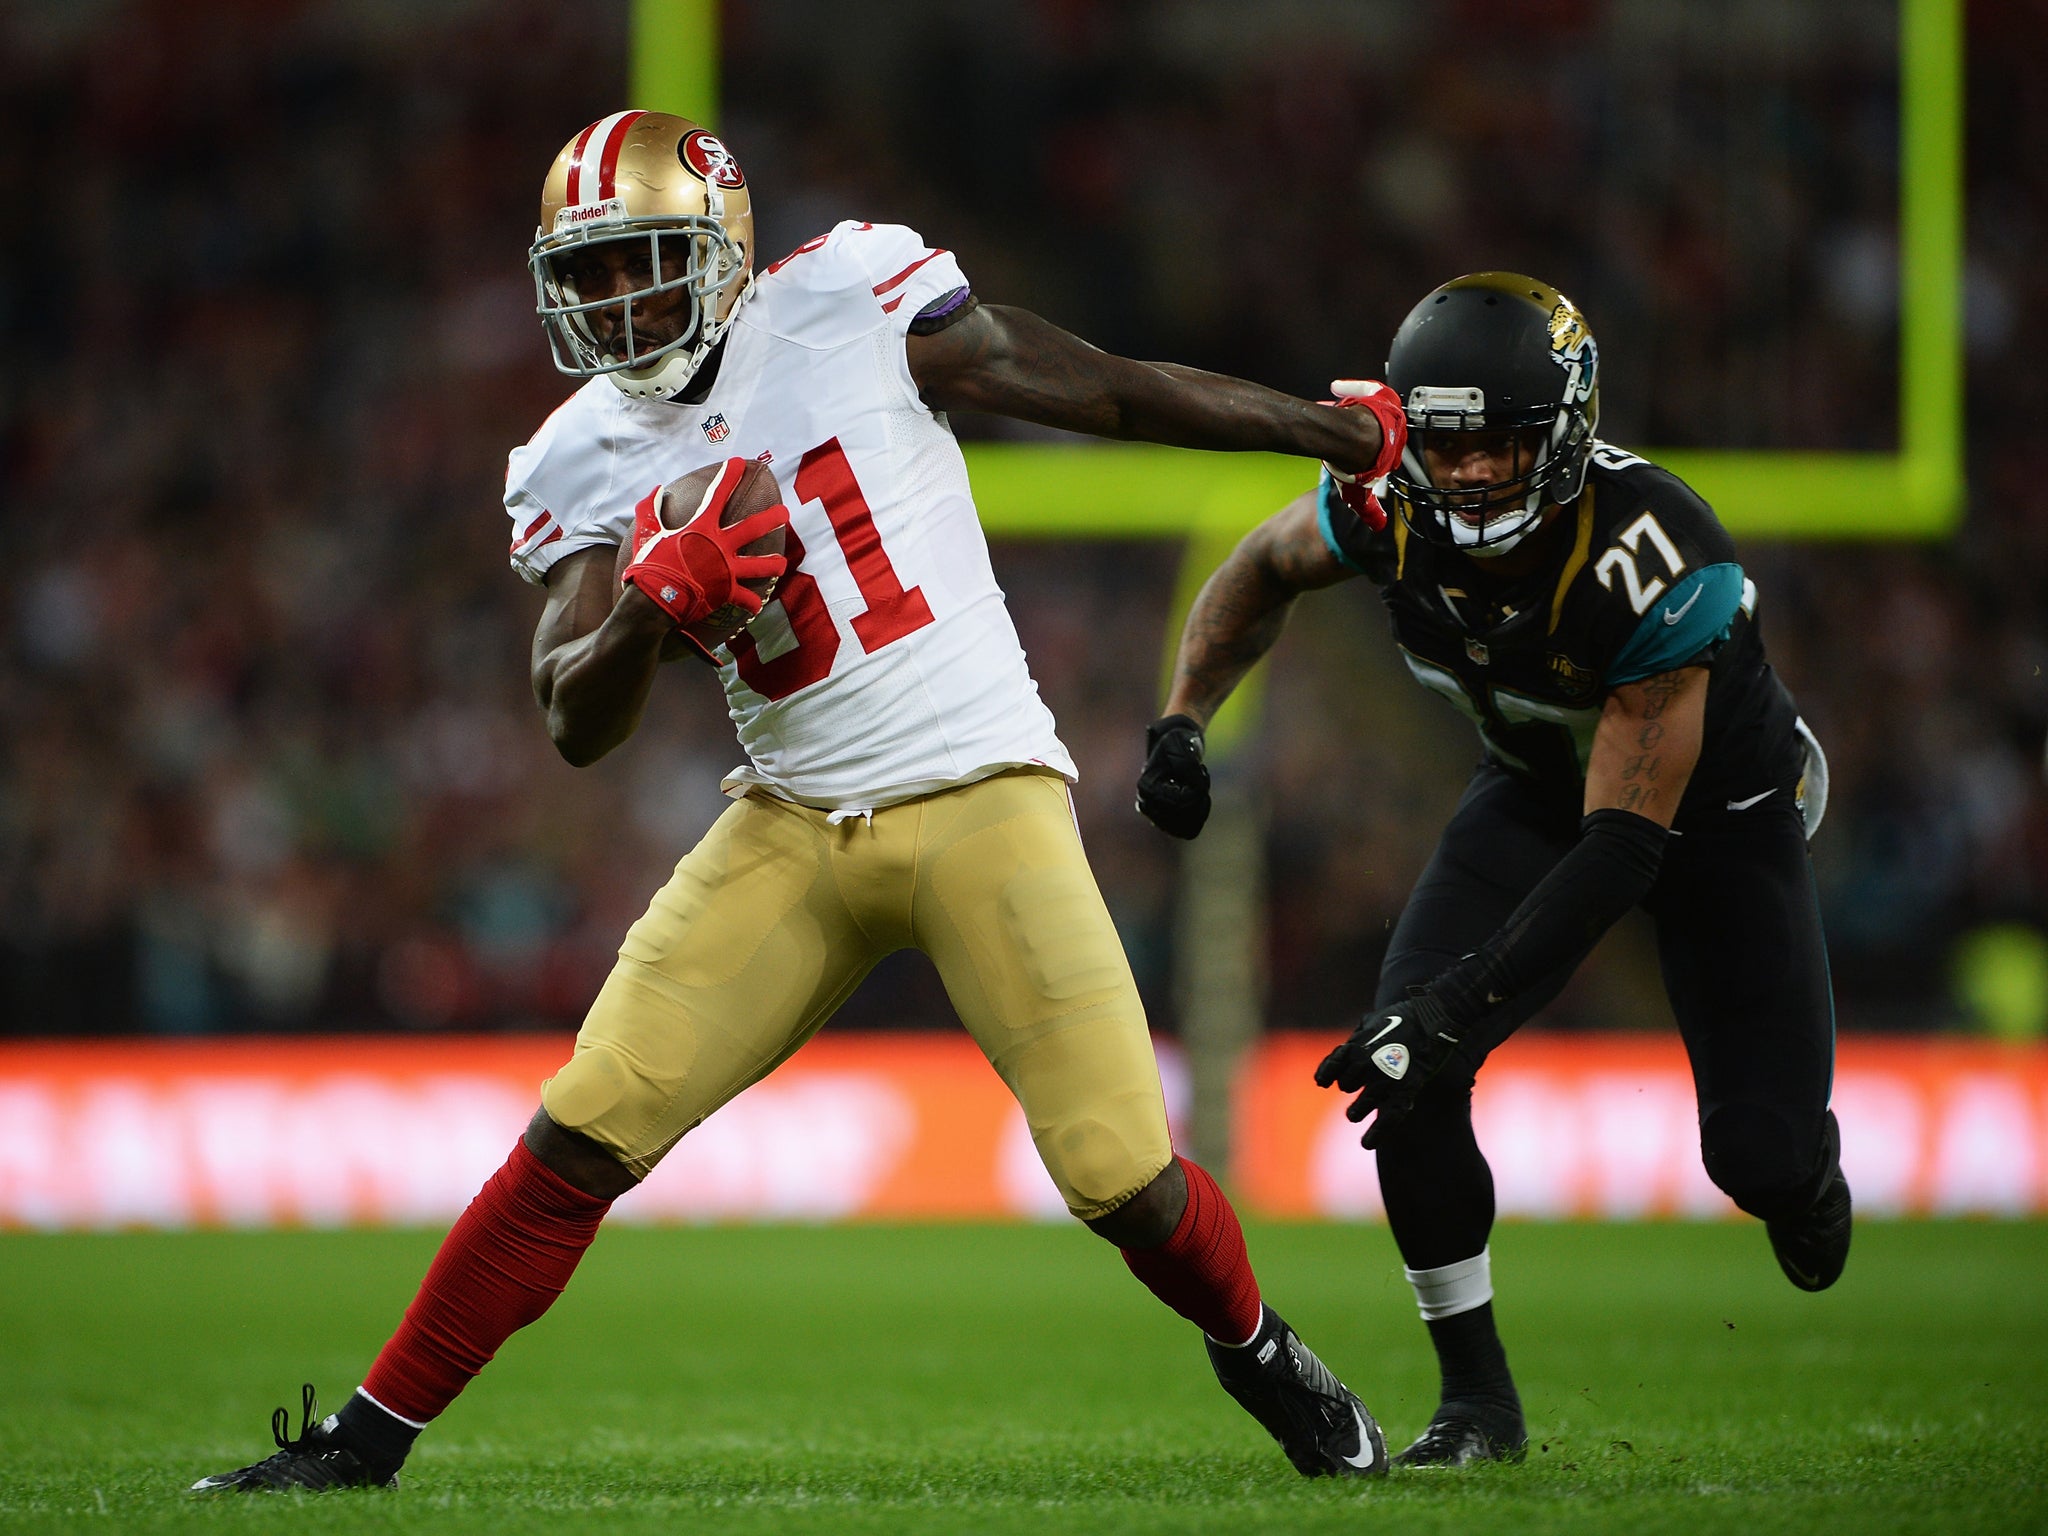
point(646, 227)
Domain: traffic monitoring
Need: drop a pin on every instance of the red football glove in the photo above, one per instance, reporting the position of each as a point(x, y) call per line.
point(1355, 491)
point(692, 571)
point(1359, 497)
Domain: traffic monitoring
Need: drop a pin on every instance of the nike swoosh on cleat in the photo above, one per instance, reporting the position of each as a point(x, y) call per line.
point(1743, 805)
point(1364, 1458)
point(1673, 615)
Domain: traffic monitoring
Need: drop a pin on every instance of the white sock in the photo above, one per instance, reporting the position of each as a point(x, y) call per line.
point(1453, 1288)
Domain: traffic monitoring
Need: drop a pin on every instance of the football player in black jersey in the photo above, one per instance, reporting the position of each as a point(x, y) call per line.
point(1586, 610)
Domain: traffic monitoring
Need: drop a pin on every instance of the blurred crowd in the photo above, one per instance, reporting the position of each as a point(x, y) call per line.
point(268, 758)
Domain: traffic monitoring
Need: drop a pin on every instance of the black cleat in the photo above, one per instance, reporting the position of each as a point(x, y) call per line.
point(318, 1461)
point(1813, 1249)
point(1320, 1423)
point(1457, 1439)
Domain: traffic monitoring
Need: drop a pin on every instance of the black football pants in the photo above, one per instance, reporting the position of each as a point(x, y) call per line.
point(1739, 942)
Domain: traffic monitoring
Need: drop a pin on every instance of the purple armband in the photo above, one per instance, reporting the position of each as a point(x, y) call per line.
point(942, 312)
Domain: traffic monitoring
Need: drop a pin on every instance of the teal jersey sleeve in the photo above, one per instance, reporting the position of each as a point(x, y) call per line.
point(1329, 506)
point(1683, 622)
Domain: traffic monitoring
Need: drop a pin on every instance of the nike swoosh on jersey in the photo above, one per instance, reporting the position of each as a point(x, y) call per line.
point(1673, 615)
point(1743, 805)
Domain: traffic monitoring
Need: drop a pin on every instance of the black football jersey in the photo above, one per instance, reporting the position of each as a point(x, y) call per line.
point(1641, 579)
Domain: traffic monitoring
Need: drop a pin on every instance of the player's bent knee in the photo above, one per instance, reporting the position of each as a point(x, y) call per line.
point(1098, 1166)
point(599, 1095)
point(1758, 1157)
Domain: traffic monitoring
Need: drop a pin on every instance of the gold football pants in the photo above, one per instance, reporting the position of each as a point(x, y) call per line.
point(772, 920)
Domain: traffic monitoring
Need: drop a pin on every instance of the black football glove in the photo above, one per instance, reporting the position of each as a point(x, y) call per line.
point(1173, 788)
point(1390, 1059)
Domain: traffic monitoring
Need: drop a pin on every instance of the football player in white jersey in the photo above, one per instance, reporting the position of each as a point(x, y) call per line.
point(904, 786)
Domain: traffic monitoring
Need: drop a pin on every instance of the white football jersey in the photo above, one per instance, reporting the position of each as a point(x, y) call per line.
point(886, 666)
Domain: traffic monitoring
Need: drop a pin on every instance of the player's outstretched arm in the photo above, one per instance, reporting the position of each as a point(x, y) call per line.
point(1643, 753)
point(595, 651)
point(1009, 362)
point(1235, 619)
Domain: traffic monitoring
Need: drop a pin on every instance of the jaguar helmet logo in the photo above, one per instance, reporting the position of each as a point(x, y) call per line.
point(1573, 350)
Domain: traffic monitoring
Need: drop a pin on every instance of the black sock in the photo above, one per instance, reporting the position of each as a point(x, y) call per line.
point(1475, 1367)
point(378, 1434)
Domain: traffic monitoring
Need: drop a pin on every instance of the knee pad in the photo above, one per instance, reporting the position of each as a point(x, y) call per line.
point(597, 1094)
point(1098, 1161)
point(591, 1084)
point(1765, 1160)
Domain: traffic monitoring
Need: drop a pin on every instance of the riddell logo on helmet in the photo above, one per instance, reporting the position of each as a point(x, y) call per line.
point(576, 215)
point(706, 155)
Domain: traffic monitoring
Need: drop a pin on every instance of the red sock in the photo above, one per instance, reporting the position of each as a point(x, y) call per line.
point(1202, 1271)
point(501, 1266)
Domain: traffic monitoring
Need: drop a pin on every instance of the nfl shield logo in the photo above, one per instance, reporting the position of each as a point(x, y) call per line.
point(715, 429)
point(1473, 648)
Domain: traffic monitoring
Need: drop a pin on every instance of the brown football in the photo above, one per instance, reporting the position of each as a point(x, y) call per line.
point(756, 492)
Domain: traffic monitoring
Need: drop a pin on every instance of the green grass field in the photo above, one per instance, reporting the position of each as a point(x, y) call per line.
point(995, 1379)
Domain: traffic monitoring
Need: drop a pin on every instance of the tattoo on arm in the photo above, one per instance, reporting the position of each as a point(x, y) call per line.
point(1641, 770)
point(1236, 620)
point(1645, 769)
point(1243, 607)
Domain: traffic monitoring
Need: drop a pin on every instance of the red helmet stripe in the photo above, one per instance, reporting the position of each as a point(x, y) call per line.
point(608, 166)
point(574, 192)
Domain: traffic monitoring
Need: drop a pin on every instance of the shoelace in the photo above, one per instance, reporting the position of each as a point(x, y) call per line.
point(280, 1420)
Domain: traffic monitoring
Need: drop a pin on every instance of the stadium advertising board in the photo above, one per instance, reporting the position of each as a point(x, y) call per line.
point(917, 1127)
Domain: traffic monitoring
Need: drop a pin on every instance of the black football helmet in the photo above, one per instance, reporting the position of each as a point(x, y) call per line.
point(1494, 353)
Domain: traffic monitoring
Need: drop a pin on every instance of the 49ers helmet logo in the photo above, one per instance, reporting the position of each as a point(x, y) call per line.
point(706, 156)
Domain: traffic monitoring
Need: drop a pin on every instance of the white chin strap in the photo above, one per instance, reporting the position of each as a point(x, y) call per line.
point(1519, 524)
point(667, 378)
point(659, 382)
